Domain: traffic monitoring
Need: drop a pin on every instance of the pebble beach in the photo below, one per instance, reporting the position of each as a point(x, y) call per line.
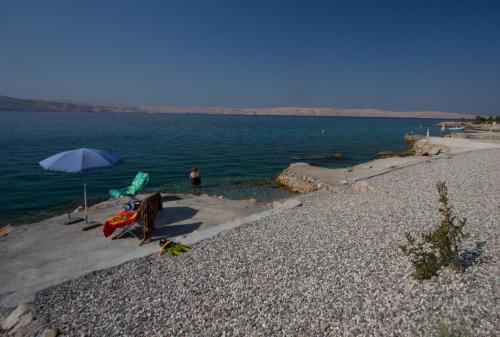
point(331, 267)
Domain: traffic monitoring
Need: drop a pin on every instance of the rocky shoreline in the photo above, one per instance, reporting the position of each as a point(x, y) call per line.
point(300, 182)
point(304, 178)
point(331, 267)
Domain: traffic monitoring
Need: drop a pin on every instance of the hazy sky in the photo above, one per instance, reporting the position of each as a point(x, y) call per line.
point(396, 55)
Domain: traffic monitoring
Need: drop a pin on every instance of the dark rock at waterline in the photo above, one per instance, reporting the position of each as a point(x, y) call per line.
point(319, 157)
point(412, 139)
point(385, 154)
point(253, 183)
point(406, 153)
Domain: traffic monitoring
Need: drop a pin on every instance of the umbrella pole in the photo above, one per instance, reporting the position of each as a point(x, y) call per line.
point(85, 197)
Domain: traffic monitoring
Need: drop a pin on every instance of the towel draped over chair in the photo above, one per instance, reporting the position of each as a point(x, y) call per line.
point(146, 213)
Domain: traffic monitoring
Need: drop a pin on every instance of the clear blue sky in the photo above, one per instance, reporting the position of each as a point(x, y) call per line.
point(396, 55)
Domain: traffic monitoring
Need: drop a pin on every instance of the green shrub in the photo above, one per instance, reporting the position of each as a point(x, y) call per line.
point(446, 331)
point(422, 257)
point(479, 119)
point(439, 247)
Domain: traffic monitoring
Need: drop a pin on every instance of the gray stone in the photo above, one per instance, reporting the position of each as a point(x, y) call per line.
point(32, 329)
point(385, 154)
point(423, 148)
point(324, 326)
point(14, 316)
point(410, 285)
point(362, 186)
point(49, 332)
point(20, 327)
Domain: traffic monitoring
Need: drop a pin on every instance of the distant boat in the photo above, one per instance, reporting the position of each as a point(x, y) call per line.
point(456, 128)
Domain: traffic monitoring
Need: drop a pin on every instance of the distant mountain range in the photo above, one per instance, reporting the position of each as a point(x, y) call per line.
point(18, 104)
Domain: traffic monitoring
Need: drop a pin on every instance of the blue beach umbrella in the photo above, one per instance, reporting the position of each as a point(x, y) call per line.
point(80, 160)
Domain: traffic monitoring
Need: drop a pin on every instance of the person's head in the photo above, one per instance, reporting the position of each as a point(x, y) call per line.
point(195, 169)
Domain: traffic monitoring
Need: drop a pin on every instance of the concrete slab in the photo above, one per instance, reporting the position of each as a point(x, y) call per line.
point(459, 145)
point(346, 176)
point(37, 256)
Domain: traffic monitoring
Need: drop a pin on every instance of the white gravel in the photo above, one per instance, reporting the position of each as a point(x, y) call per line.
point(335, 260)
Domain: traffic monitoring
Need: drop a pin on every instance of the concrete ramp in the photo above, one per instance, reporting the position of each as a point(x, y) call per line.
point(36, 256)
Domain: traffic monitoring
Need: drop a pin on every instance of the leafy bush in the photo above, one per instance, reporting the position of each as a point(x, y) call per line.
point(479, 119)
point(439, 247)
point(446, 331)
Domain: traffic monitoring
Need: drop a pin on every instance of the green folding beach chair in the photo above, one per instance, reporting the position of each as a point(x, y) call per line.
point(140, 181)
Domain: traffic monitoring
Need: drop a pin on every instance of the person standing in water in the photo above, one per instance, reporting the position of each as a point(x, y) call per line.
point(195, 177)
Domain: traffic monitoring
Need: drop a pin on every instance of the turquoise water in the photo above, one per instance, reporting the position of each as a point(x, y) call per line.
point(239, 156)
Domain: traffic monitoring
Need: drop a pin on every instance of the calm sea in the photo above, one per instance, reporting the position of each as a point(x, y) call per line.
point(239, 156)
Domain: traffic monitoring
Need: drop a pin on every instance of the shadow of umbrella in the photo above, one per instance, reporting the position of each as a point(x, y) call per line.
point(80, 160)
